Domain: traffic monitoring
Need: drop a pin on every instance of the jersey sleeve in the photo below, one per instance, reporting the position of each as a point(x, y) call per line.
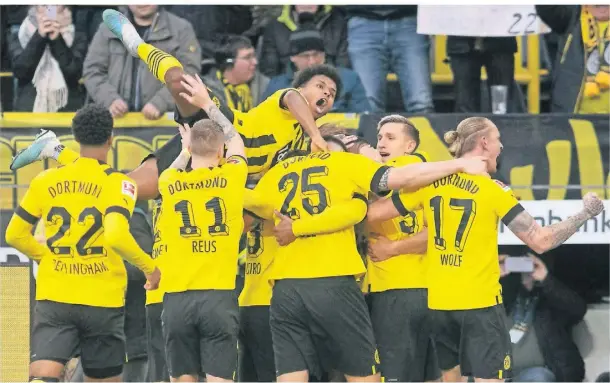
point(258, 202)
point(237, 168)
point(506, 204)
point(30, 207)
point(121, 194)
point(334, 218)
point(364, 172)
point(405, 202)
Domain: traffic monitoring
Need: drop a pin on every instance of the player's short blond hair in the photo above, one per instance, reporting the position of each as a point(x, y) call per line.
point(206, 138)
point(465, 137)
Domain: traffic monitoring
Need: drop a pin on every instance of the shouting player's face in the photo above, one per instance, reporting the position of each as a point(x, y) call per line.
point(492, 147)
point(393, 141)
point(320, 93)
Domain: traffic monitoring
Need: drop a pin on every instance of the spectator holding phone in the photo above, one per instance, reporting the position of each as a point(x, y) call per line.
point(47, 54)
point(541, 313)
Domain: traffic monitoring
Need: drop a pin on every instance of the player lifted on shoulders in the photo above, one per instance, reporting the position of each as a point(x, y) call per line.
point(269, 130)
point(464, 292)
point(200, 225)
point(81, 282)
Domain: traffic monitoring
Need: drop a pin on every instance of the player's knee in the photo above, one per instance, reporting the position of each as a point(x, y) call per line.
point(40, 379)
point(103, 373)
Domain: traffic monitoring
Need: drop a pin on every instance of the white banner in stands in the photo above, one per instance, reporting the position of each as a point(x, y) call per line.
point(479, 20)
point(546, 212)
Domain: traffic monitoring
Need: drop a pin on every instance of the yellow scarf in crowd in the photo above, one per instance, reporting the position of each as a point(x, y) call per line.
point(595, 36)
point(239, 97)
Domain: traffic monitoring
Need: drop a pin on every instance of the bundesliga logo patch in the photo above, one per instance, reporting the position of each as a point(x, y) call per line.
point(129, 189)
point(502, 185)
point(233, 160)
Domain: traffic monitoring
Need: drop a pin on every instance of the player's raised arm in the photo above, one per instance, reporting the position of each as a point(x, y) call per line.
point(542, 239)
point(185, 154)
point(294, 101)
point(198, 95)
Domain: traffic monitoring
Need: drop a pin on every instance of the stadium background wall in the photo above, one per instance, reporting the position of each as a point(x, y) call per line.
point(568, 152)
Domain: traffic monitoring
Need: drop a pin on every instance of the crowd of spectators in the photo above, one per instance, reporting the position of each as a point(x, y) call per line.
point(62, 57)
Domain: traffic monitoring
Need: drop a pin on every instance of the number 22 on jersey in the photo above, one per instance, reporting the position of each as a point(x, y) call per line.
point(75, 236)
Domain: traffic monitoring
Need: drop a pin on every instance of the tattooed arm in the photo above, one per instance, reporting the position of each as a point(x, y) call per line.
point(197, 94)
point(542, 239)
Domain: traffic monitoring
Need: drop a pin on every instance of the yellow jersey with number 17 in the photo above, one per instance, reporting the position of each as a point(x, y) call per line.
point(462, 213)
point(406, 270)
point(73, 200)
point(306, 186)
point(200, 225)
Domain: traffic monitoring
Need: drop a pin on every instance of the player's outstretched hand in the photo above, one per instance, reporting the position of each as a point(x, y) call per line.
point(196, 92)
point(152, 280)
point(185, 134)
point(593, 205)
point(474, 165)
point(283, 230)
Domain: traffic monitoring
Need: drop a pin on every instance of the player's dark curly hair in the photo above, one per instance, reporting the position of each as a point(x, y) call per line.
point(307, 74)
point(92, 125)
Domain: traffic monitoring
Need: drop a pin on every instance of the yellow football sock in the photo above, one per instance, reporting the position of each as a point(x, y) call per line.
point(158, 61)
point(67, 156)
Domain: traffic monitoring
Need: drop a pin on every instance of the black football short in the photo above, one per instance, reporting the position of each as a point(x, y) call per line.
point(256, 362)
point(322, 324)
point(200, 328)
point(403, 331)
point(157, 368)
point(62, 330)
point(477, 340)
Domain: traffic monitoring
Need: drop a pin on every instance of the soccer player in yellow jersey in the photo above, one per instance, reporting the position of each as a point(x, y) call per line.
point(269, 130)
point(81, 282)
point(256, 361)
point(200, 224)
point(317, 311)
point(396, 272)
point(464, 292)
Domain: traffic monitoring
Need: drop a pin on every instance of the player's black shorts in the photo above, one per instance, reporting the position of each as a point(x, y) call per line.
point(200, 329)
point(256, 362)
point(477, 340)
point(96, 333)
point(157, 368)
point(321, 324)
point(401, 322)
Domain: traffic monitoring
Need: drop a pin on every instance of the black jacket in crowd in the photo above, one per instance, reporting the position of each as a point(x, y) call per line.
point(331, 23)
point(568, 74)
point(25, 60)
point(558, 310)
point(381, 12)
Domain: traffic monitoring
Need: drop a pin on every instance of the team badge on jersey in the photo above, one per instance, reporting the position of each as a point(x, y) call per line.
point(502, 185)
point(233, 160)
point(129, 189)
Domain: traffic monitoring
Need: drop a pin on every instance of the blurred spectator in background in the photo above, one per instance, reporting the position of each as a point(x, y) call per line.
point(122, 83)
point(214, 23)
point(581, 72)
point(236, 80)
point(262, 15)
point(307, 50)
point(467, 55)
point(383, 38)
point(47, 60)
point(87, 18)
point(541, 313)
point(330, 21)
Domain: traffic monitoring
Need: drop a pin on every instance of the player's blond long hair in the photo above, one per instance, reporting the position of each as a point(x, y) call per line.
point(206, 138)
point(466, 136)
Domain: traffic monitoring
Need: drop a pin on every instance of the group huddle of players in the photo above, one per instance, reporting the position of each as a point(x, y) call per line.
point(431, 272)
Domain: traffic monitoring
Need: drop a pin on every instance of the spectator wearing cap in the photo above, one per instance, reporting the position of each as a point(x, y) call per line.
point(330, 21)
point(236, 80)
point(307, 50)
